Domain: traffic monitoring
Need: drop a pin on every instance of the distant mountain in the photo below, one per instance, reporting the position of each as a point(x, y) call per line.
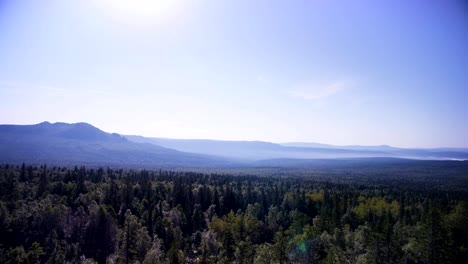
point(258, 150)
point(415, 153)
point(352, 147)
point(243, 150)
point(332, 163)
point(82, 143)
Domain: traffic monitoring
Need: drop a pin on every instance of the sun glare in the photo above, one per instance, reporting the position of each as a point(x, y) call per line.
point(142, 11)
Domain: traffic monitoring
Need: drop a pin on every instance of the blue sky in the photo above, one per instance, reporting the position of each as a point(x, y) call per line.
point(337, 72)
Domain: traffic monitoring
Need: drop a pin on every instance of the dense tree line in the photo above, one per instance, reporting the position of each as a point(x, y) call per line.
point(78, 215)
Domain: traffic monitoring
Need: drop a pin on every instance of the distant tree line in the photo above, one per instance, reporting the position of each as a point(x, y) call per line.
point(79, 215)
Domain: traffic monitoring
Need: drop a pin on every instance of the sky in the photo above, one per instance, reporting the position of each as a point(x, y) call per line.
point(335, 72)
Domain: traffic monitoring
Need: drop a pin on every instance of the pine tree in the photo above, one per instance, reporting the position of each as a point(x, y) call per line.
point(134, 240)
point(43, 182)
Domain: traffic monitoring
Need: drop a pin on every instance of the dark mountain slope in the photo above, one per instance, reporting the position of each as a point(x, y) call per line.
point(83, 143)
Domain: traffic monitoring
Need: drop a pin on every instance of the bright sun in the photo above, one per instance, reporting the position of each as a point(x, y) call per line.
point(142, 11)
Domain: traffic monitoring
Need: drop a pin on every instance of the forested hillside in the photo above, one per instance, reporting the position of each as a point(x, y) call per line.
point(86, 215)
point(81, 143)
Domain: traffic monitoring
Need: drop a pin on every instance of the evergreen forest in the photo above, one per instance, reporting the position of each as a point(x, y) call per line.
point(51, 214)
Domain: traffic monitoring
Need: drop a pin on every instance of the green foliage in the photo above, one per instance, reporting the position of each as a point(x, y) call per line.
point(264, 254)
point(19, 255)
point(135, 241)
point(78, 215)
point(377, 206)
point(315, 197)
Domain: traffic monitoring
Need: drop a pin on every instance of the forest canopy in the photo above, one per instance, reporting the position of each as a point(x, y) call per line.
point(51, 214)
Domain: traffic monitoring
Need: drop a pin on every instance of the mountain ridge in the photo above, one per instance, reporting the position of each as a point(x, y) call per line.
point(84, 143)
point(262, 150)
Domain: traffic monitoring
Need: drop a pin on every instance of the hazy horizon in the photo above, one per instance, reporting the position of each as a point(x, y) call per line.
point(234, 140)
point(340, 73)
